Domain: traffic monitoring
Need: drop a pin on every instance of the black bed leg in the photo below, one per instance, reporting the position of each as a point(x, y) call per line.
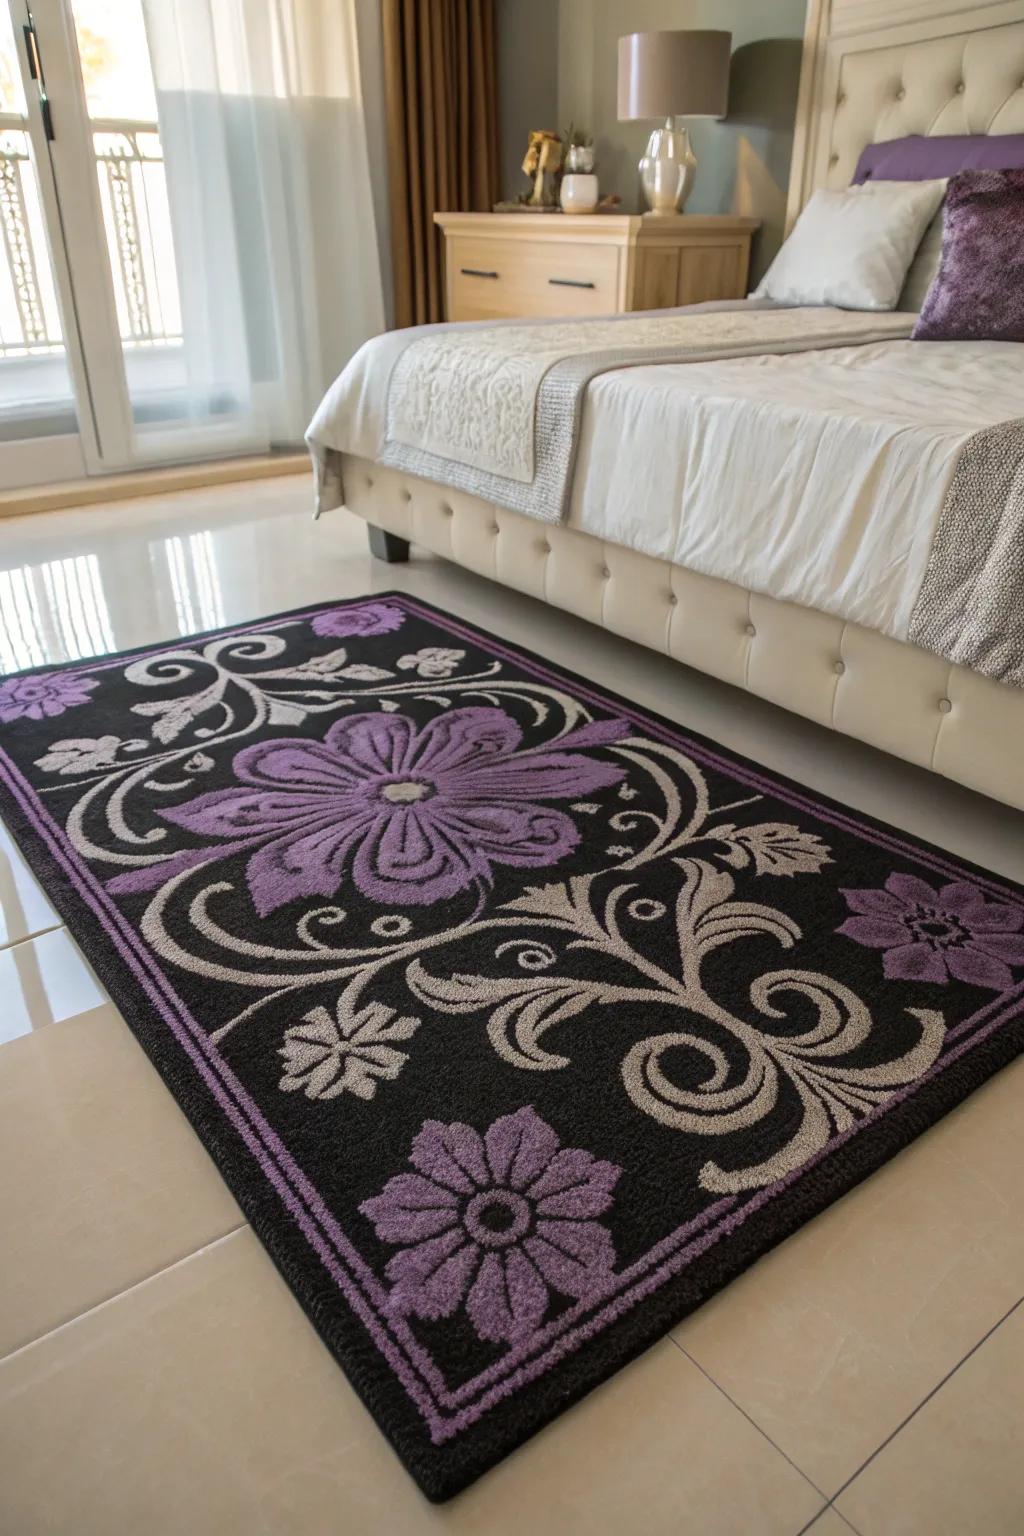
point(387, 546)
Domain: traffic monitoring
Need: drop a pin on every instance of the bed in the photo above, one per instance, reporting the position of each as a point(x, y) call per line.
point(797, 574)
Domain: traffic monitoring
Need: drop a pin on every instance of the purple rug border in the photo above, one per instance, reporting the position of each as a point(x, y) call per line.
point(195, 1043)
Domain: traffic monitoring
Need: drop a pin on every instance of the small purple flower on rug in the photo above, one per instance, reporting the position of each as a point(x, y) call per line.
point(417, 813)
point(931, 935)
point(497, 1222)
point(45, 694)
point(360, 619)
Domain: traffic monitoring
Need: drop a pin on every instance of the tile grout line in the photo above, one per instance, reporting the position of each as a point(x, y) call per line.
point(808, 1529)
point(752, 1421)
point(29, 938)
point(924, 1401)
point(108, 1301)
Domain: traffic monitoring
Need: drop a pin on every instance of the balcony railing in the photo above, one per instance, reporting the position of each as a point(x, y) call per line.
point(133, 196)
point(133, 192)
point(29, 317)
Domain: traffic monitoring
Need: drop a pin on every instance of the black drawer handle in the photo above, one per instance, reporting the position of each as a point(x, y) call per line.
point(569, 282)
point(476, 272)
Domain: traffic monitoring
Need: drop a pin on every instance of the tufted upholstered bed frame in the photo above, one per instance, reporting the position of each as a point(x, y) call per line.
point(872, 69)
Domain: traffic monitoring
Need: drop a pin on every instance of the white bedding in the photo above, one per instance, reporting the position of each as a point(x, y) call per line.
point(817, 478)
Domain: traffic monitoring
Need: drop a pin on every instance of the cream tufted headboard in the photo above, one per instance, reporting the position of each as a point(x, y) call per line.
point(880, 69)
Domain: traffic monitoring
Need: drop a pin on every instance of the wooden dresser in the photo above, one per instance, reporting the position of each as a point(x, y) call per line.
point(500, 265)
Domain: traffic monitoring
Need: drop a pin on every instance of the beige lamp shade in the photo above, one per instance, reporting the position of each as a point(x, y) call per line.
point(674, 74)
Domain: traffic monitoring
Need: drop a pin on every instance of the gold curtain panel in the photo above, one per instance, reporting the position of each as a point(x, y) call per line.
point(442, 122)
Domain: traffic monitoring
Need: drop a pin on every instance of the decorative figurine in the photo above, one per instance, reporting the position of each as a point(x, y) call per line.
point(552, 192)
point(543, 161)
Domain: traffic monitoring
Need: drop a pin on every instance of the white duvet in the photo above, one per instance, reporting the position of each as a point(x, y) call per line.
point(816, 478)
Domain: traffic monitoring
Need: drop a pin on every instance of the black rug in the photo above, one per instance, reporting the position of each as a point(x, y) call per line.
point(517, 1020)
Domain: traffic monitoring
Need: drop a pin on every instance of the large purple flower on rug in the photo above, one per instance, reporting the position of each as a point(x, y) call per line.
point(930, 935)
point(359, 619)
point(45, 694)
point(416, 813)
point(497, 1222)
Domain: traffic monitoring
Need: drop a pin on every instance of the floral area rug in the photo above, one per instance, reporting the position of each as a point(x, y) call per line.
point(518, 1021)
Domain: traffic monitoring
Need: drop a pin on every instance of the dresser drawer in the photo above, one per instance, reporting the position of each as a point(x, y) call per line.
point(500, 266)
point(499, 279)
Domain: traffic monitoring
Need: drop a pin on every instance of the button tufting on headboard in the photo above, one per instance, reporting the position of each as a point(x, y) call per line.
point(914, 72)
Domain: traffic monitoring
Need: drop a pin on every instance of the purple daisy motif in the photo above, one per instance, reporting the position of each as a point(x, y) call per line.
point(44, 695)
point(416, 814)
point(360, 619)
point(931, 935)
point(497, 1222)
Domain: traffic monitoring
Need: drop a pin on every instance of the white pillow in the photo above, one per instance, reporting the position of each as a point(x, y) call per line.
point(853, 248)
point(924, 268)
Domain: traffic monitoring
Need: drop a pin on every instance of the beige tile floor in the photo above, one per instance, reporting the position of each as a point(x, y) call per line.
point(156, 1375)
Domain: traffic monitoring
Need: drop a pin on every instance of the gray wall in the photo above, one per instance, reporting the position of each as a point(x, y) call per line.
point(558, 62)
point(527, 81)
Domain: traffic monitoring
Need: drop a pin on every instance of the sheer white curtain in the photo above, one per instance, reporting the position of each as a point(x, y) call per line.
point(263, 135)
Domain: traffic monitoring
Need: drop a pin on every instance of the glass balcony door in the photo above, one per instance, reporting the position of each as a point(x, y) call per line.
point(39, 432)
point(101, 324)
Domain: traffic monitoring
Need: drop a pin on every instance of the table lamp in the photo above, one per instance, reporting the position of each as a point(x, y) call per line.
point(670, 75)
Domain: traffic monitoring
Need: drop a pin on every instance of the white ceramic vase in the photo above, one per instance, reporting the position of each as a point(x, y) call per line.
point(579, 193)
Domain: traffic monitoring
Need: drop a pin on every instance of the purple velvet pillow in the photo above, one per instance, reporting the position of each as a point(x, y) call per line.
point(921, 157)
point(978, 294)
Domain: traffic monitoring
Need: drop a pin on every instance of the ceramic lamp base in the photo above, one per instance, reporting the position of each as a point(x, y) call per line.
point(668, 169)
